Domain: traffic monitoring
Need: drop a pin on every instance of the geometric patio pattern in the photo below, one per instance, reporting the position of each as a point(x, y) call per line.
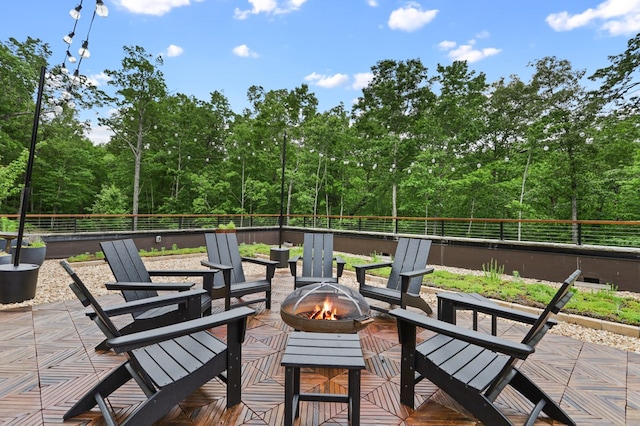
point(48, 361)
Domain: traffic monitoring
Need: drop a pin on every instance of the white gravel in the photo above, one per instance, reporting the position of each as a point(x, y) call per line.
point(53, 286)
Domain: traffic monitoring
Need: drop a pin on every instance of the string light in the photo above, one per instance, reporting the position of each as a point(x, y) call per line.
point(75, 79)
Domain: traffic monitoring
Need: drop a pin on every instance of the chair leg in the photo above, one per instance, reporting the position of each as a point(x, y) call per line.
point(534, 394)
point(415, 301)
point(109, 384)
point(268, 301)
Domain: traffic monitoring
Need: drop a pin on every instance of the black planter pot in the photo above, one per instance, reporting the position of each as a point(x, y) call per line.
point(33, 255)
point(6, 259)
point(18, 283)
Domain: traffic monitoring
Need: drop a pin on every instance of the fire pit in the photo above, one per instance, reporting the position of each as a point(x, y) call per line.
point(326, 308)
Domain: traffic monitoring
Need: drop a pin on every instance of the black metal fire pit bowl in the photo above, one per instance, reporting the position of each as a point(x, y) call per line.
point(351, 309)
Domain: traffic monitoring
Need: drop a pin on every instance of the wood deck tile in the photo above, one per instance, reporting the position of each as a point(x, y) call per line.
point(54, 346)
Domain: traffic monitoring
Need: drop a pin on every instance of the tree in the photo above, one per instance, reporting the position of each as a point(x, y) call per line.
point(385, 117)
point(139, 88)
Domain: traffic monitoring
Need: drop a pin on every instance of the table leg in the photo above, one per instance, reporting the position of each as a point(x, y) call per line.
point(354, 397)
point(289, 383)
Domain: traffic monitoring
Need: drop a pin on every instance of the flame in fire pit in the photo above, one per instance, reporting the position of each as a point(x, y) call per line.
point(327, 312)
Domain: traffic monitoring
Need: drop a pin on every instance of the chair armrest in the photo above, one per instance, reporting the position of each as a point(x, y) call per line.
point(137, 340)
point(498, 344)
point(182, 273)
point(485, 306)
point(126, 285)
point(340, 265)
point(293, 265)
point(215, 266)
point(153, 302)
point(270, 265)
point(405, 277)
point(362, 269)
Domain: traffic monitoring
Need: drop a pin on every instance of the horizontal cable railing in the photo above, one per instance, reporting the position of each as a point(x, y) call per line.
point(599, 233)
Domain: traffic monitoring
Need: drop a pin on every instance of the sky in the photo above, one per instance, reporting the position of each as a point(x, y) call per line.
point(330, 45)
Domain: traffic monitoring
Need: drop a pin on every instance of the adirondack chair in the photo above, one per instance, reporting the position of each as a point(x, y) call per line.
point(168, 363)
point(405, 279)
point(223, 255)
point(134, 280)
point(474, 367)
point(183, 306)
point(317, 261)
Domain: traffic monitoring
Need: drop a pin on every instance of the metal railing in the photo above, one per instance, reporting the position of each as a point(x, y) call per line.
point(598, 233)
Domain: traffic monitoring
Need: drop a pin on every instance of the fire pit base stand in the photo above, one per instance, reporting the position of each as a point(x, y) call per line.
point(321, 350)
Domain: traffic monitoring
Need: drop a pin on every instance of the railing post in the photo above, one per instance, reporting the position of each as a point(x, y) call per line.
point(359, 224)
point(501, 230)
point(442, 228)
point(579, 234)
point(395, 225)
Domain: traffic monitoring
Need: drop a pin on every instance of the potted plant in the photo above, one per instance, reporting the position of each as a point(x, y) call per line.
point(5, 258)
point(33, 250)
point(229, 227)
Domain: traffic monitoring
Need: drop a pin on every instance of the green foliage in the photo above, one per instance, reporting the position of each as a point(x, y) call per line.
point(229, 225)
point(492, 271)
point(8, 225)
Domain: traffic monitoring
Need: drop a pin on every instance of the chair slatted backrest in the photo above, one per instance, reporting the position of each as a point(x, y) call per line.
point(127, 266)
point(537, 331)
point(87, 299)
point(317, 255)
point(412, 254)
point(222, 248)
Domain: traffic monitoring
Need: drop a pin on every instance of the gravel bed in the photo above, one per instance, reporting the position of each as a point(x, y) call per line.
point(53, 286)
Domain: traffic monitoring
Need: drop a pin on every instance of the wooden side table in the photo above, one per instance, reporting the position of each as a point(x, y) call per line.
point(321, 350)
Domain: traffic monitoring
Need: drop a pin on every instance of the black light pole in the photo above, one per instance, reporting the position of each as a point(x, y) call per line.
point(284, 161)
point(27, 176)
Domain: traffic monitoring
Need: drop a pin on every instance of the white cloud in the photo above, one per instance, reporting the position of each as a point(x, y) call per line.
point(99, 135)
point(327, 81)
point(98, 79)
point(372, 3)
point(244, 51)
point(173, 51)
point(269, 7)
point(467, 52)
point(447, 45)
point(617, 17)
point(411, 17)
point(361, 80)
point(152, 7)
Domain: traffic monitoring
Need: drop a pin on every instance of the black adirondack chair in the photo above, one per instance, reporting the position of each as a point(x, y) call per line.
point(224, 255)
point(317, 261)
point(473, 367)
point(168, 363)
point(405, 279)
point(134, 280)
point(180, 306)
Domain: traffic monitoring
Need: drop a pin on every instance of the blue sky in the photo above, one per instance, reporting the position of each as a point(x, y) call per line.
point(331, 45)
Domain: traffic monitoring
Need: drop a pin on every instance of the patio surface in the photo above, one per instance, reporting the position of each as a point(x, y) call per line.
point(48, 361)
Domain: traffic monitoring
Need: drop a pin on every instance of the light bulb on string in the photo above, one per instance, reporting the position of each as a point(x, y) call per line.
point(75, 12)
point(72, 59)
point(84, 50)
point(69, 37)
point(101, 10)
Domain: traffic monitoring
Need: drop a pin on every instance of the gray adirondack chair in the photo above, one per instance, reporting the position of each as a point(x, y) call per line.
point(474, 367)
point(317, 261)
point(223, 255)
point(135, 282)
point(168, 363)
point(405, 279)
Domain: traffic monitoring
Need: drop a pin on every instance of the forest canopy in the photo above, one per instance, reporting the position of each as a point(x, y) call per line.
point(417, 142)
